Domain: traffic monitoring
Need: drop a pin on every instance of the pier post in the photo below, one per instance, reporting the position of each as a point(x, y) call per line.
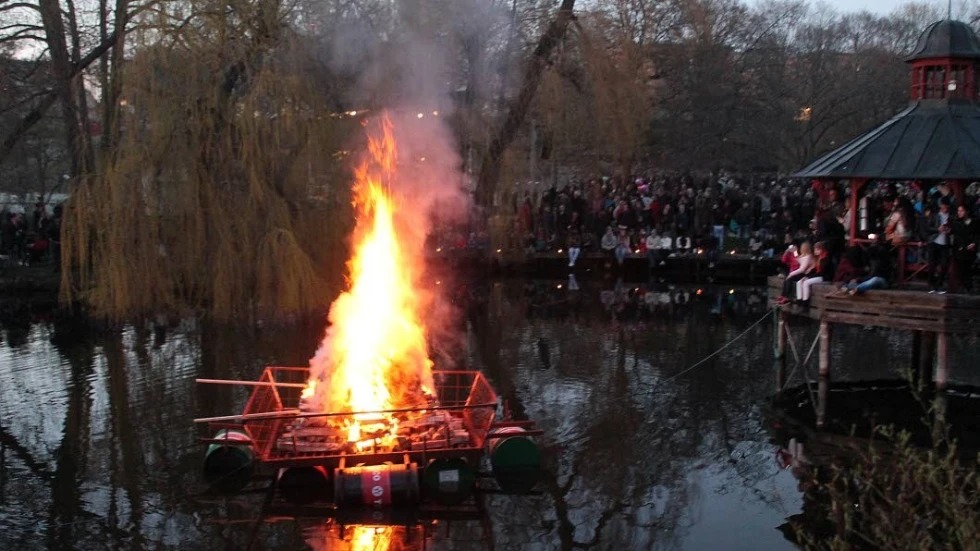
point(939, 427)
point(926, 355)
point(780, 351)
point(942, 361)
point(914, 374)
point(823, 387)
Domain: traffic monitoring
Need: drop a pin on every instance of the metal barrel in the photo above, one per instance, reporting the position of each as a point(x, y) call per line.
point(383, 485)
point(515, 460)
point(302, 485)
point(448, 481)
point(229, 466)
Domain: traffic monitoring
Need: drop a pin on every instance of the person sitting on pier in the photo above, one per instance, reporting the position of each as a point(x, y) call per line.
point(622, 249)
point(574, 247)
point(609, 242)
point(806, 261)
point(789, 260)
point(850, 269)
point(820, 268)
point(653, 248)
point(682, 244)
point(880, 264)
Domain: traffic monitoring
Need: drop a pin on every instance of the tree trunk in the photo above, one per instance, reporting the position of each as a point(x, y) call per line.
point(54, 31)
point(533, 71)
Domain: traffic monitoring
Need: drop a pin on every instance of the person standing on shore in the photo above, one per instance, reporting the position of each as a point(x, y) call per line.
point(965, 233)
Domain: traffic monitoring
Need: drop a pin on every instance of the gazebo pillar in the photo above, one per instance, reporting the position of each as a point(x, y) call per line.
point(857, 185)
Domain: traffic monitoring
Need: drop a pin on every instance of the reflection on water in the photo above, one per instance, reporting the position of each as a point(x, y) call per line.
point(98, 449)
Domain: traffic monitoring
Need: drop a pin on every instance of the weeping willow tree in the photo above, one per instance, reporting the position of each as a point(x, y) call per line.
point(225, 191)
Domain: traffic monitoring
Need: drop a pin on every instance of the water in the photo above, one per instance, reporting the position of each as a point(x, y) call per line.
point(648, 446)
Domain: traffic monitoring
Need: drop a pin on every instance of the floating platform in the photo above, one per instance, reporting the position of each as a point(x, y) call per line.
point(434, 451)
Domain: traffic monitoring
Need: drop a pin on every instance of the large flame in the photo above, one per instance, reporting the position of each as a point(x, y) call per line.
point(374, 355)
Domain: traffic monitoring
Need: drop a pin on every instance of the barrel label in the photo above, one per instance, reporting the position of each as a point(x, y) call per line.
point(449, 476)
point(449, 480)
point(376, 487)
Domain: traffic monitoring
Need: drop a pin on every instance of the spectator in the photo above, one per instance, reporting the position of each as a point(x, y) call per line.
point(622, 246)
point(850, 269)
point(965, 234)
point(789, 260)
point(574, 248)
point(820, 268)
point(880, 262)
point(653, 249)
point(897, 227)
point(805, 260)
point(609, 242)
point(938, 239)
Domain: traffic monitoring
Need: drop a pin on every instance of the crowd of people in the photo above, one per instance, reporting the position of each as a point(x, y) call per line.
point(923, 233)
point(658, 216)
point(27, 239)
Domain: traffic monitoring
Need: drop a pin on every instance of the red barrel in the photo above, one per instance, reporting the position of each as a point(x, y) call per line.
point(377, 485)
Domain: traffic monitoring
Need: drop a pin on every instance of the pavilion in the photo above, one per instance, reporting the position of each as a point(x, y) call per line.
point(936, 139)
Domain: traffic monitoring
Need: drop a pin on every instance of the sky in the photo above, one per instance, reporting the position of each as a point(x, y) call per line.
point(880, 7)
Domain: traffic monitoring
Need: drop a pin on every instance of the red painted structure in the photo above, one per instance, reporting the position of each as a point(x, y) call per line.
point(934, 140)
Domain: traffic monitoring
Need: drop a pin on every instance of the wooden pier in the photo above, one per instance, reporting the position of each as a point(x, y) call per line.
point(932, 318)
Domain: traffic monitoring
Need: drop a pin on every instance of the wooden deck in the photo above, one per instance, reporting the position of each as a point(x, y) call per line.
point(894, 309)
point(933, 319)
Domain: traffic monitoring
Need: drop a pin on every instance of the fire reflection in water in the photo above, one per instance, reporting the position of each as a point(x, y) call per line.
point(331, 536)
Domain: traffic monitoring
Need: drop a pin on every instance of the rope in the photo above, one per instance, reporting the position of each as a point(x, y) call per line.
point(724, 346)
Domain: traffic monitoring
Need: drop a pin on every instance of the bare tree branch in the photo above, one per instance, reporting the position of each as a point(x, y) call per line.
point(32, 118)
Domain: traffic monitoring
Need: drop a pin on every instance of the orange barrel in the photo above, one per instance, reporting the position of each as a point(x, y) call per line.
point(228, 465)
point(304, 484)
point(448, 481)
point(515, 460)
point(377, 485)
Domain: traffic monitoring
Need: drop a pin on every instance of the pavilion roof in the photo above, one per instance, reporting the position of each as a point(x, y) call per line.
point(929, 140)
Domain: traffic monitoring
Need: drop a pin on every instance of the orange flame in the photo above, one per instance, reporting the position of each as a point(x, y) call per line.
point(331, 537)
point(369, 538)
point(374, 356)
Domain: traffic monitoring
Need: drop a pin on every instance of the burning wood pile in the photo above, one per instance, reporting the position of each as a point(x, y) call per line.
point(402, 431)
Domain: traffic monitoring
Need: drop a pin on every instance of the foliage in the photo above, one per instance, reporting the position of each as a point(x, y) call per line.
point(896, 496)
point(226, 197)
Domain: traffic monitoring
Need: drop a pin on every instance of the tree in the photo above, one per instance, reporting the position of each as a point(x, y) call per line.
point(519, 105)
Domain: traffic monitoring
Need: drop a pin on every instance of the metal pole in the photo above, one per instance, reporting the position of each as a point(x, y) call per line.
point(249, 383)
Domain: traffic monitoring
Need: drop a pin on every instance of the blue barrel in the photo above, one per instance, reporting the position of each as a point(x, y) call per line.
point(515, 459)
point(228, 465)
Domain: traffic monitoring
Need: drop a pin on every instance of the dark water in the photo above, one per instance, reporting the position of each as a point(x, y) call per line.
point(648, 446)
